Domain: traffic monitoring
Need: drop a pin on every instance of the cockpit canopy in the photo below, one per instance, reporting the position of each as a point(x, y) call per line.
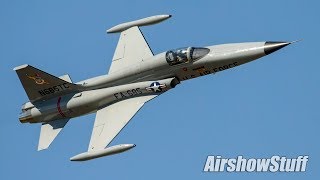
point(185, 55)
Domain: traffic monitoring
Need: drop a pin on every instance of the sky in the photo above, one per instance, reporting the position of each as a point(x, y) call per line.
point(263, 108)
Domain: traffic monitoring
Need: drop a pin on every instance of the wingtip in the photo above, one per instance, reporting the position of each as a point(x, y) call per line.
point(72, 158)
point(42, 148)
point(140, 22)
point(109, 30)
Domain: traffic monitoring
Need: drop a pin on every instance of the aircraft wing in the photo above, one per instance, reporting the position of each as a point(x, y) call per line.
point(112, 119)
point(131, 49)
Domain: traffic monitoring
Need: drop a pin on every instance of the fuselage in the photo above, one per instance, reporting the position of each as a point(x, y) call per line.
point(166, 69)
point(219, 58)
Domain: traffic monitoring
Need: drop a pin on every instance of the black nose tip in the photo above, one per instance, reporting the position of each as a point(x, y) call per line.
point(271, 46)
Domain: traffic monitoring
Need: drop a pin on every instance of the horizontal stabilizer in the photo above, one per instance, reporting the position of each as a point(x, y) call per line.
point(49, 132)
point(66, 77)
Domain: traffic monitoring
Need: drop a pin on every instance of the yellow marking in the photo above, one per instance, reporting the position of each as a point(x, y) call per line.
point(37, 79)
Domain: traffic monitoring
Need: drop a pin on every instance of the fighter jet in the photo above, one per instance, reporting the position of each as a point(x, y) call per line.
point(135, 77)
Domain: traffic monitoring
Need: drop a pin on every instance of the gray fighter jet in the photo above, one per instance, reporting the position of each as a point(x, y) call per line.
point(135, 77)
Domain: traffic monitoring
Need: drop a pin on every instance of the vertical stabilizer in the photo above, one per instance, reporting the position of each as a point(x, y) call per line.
point(40, 85)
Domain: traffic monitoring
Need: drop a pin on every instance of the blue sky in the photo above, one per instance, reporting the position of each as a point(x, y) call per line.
point(264, 108)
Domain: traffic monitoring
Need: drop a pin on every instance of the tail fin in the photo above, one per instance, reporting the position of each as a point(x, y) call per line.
point(40, 85)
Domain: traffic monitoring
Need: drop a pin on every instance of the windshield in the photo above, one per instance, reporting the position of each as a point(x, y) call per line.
point(185, 55)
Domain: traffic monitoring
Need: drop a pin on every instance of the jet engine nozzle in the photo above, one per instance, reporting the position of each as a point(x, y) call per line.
point(174, 82)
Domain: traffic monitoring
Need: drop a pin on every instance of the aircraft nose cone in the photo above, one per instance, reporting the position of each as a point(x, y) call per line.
point(271, 46)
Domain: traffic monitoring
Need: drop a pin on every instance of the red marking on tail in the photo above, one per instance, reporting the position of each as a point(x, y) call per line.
point(59, 108)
